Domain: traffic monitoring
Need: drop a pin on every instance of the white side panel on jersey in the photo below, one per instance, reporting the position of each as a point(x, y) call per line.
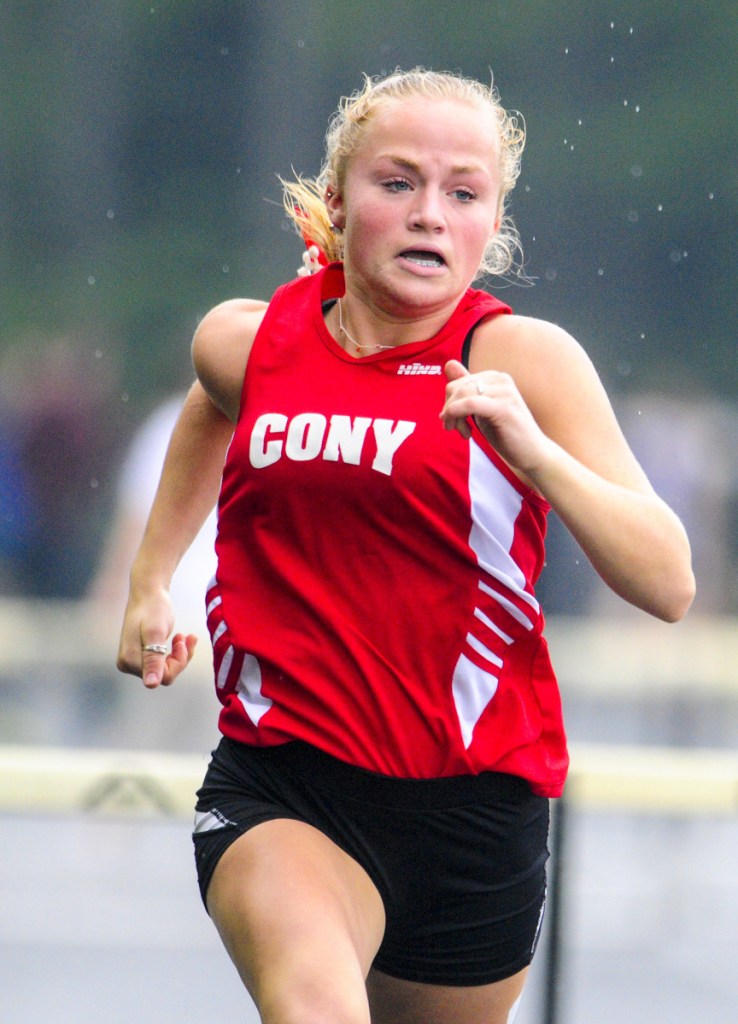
point(495, 506)
point(473, 689)
point(249, 689)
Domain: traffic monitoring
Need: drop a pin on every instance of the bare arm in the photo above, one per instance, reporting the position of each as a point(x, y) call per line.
point(546, 412)
point(187, 492)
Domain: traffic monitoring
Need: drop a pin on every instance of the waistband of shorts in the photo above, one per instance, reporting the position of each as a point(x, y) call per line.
point(354, 782)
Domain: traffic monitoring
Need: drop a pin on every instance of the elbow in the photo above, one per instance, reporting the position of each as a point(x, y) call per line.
point(678, 588)
point(675, 601)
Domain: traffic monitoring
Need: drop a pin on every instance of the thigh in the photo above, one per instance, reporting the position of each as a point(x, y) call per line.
point(394, 1001)
point(300, 919)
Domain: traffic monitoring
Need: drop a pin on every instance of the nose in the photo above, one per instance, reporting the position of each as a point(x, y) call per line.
point(426, 213)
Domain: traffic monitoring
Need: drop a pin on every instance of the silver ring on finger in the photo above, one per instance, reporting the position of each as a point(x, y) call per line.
point(156, 648)
point(480, 387)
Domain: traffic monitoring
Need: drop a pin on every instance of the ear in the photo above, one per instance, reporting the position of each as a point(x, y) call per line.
point(336, 207)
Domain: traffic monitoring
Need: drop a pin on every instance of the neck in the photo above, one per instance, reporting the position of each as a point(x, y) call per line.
point(348, 338)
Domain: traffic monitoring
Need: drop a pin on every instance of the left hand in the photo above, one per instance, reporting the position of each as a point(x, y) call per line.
point(500, 411)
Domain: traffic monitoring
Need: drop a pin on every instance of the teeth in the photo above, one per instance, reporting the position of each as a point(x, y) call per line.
point(424, 259)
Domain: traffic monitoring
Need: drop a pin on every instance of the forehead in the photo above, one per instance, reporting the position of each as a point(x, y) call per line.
point(462, 132)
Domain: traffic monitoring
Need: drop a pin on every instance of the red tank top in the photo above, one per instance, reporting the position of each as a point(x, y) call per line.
point(374, 591)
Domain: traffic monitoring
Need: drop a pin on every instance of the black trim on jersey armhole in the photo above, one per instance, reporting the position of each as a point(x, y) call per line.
point(327, 305)
point(466, 347)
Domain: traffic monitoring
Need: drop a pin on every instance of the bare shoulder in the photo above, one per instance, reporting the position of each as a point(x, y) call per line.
point(513, 344)
point(561, 387)
point(237, 317)
point(545, 361)
point(221, 347)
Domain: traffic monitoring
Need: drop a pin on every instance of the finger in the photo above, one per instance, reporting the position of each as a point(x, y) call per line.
point(455, 370)
point(153, 664)
point(183, 648)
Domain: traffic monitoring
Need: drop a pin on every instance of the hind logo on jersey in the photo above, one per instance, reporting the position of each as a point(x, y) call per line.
point(340, 439)
point(413, 369)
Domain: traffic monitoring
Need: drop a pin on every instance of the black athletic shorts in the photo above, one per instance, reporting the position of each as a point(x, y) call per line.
point(459, 862)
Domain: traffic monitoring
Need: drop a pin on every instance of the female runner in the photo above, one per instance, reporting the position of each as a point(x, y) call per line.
point(371, 833)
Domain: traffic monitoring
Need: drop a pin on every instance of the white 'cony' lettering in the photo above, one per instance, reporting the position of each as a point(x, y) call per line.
point(310, 435)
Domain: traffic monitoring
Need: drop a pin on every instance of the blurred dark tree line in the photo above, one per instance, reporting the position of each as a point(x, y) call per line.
point(141, 143)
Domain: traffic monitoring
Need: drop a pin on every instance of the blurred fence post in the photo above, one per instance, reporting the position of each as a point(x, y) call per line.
point(556, 900)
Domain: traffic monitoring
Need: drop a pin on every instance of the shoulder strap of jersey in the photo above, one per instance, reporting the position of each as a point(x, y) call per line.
point(483, 305)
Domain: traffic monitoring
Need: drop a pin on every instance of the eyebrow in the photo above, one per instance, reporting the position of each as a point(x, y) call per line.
point(402, 161)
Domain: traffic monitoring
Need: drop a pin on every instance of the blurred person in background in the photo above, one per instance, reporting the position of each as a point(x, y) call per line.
point(371, 833)
point(59, 444)
point(135, 491)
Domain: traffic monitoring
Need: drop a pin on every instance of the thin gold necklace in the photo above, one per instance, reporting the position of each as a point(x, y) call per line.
point(360, 348)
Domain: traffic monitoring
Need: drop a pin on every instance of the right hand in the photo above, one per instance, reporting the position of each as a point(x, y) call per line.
point(149, 619)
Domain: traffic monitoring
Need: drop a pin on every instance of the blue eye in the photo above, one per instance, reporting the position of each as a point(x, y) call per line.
point(464, 194)
point(397, 185)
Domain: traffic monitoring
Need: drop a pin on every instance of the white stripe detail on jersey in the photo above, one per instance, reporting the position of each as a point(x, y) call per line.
point(249, 689)
point(479, 614)
point(473, 689)
point(510, 608)
point(224, 668)
point(524, 596)
point(215, 602)
point(219, 631)
point(495, 506)
point(484, 652)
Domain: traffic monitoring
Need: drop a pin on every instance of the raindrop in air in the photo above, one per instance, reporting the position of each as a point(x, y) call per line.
point(600, 272)
point(90, 279)
point(110, 214)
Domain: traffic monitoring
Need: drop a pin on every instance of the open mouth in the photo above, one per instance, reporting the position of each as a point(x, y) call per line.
point(423, 258)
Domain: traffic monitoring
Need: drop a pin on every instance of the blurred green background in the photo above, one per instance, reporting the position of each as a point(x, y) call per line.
point(140, 147)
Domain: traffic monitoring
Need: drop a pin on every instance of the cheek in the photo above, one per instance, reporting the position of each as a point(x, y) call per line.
point(369, 225)
point(475, 239)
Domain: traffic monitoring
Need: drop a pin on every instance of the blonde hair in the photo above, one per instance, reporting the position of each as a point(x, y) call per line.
point(304, 198)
